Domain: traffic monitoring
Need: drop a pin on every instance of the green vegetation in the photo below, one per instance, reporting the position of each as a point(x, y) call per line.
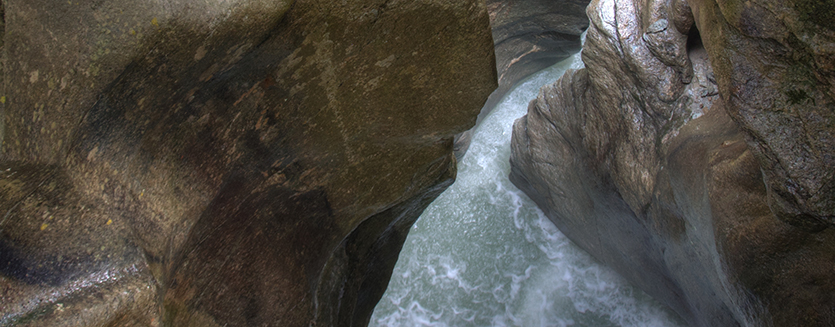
point(798, 96)
point(820, 12)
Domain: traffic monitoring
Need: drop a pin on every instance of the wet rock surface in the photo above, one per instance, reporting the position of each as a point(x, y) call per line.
point(531, 35)
point(693, 154)
point(778, 76)
point(215, 163)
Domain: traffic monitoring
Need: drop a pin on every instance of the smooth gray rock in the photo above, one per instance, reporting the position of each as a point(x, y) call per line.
point(660, 157)
point(531, 35)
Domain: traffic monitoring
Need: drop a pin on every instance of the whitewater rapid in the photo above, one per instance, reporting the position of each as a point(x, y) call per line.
point(483, 254)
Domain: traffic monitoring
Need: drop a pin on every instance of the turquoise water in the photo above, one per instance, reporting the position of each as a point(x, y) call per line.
point(483, 254)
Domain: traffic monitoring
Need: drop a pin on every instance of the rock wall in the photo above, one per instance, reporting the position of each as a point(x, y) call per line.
point(529, 35)
point(694, 155)
point(213, 163)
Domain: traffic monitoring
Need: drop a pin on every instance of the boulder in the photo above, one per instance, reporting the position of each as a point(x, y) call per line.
point(693, 154)
point(214, 163)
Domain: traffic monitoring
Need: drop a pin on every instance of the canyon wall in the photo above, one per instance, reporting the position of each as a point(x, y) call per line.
point(531, 35)
point(214, 163)
point(694, 154)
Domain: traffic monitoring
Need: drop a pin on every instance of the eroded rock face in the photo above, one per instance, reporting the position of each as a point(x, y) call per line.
point(215, 163)
point(531, 35)
point(777, 74)
point(669, 157)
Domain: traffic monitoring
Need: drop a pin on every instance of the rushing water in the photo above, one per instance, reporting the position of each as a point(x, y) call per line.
point(483, 254)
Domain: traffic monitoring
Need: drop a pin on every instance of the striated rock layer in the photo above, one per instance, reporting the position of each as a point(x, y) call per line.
point(214, 163)
point(529, 35)
point(694, 155)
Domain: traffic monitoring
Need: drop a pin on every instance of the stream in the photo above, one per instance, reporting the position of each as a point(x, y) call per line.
point(483, 254)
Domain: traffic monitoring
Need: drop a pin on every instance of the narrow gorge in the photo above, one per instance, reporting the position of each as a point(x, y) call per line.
point(482, 254)
point(266, 162)
point(694, 155)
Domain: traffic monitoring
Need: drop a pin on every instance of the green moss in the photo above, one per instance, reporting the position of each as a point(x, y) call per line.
point(34, 315)
point(798, 96)
point(820, 12)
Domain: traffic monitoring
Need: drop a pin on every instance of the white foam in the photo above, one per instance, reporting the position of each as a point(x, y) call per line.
point(483, 255)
